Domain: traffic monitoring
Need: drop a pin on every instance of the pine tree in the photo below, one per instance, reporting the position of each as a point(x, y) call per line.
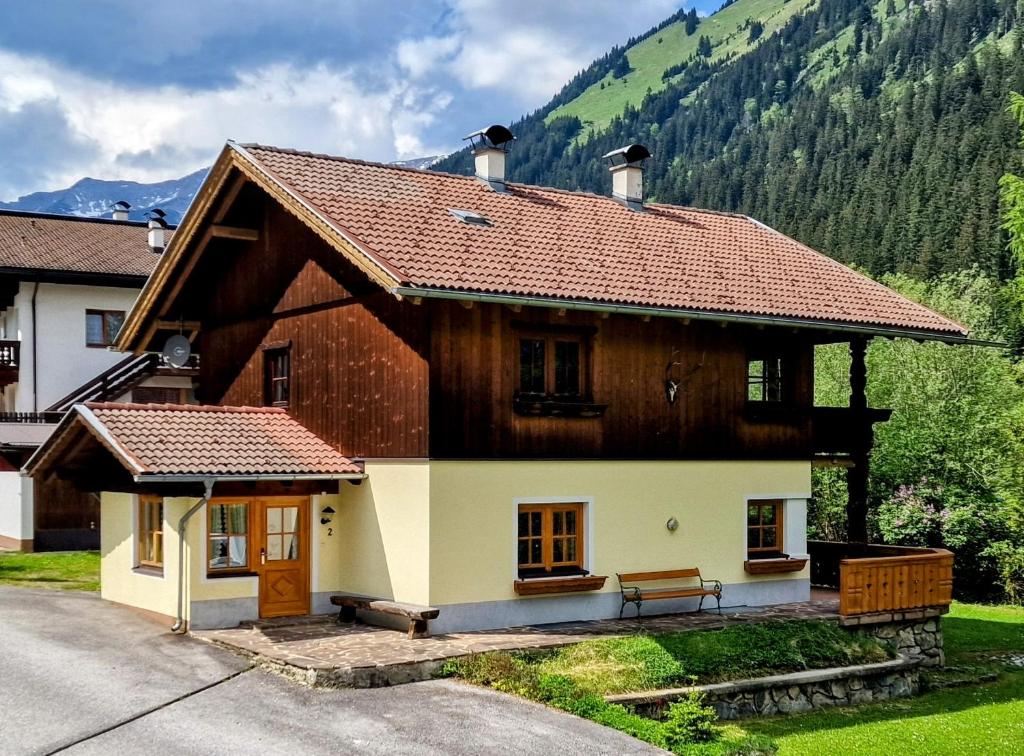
point(692, 21)
point(704, 47)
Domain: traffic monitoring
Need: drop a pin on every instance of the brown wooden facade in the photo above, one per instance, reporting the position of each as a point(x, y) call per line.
point(382, 377)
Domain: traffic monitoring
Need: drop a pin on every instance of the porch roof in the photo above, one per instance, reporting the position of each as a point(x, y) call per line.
point(181, 443)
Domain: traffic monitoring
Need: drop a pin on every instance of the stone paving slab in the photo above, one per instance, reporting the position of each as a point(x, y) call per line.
point(321, 652)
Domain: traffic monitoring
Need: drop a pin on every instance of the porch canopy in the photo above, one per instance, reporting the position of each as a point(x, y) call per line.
point(176, 449)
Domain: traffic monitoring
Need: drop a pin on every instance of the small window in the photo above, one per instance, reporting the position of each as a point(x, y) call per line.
point(552, 366)
point(278, 380)
point(764, 528)
point(101, 327)
point(228, 547)
point(158, 395)
point(550, 540)
point(151, 532)
point(765, 376)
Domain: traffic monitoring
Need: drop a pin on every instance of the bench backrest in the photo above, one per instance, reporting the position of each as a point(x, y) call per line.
point(640, 577)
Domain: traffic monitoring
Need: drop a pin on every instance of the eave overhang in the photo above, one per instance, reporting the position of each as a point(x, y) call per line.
point(838, 327)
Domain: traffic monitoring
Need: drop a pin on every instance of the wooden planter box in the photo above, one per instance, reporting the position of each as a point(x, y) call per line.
point(773, 566)
point(541, 586)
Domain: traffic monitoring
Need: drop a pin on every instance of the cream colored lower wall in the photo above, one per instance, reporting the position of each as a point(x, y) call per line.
point(381, 534)
point(119, 580)
point(473, 518)
point(444, 533)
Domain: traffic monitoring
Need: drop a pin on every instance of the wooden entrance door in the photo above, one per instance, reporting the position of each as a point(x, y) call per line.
point(283, 556)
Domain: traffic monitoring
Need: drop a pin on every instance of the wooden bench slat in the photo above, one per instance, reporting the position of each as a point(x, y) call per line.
point(692, 572)
point(417, 615)
point(675, 593)
point(387, 607)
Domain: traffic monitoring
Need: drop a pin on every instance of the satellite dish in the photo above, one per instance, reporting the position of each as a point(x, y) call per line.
point(176, 351)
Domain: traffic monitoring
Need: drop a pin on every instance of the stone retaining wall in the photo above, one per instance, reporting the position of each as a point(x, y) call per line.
point(794, 692)
point(914, 638)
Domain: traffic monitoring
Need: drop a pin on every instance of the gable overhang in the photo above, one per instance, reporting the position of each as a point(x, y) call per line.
point(193, 234)
point(826, 326)
point(80, 418)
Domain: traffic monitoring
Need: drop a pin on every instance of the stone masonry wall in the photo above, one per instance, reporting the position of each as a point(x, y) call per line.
point(793, 692)
point(914, 639)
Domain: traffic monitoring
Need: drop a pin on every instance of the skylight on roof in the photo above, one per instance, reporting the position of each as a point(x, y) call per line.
point(470, 218)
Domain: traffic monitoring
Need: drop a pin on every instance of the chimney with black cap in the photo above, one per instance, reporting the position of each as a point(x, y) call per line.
point(627, 167)
point(489, 148)
point(157, 227)
point(119, 210)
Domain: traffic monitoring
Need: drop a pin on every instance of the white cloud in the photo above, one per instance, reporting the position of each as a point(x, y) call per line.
point(526, 49)
point(177, 130)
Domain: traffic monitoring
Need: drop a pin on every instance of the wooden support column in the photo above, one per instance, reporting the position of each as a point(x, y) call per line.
point(862, 439)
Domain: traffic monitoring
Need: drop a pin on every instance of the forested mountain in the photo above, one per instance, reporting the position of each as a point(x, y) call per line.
point(875, 132)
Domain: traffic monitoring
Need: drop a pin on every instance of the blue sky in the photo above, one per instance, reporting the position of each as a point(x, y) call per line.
point(150, 91)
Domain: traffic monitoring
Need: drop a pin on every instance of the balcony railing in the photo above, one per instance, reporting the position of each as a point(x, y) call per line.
point(833, 431)
point(875, 579)
point(31, 417)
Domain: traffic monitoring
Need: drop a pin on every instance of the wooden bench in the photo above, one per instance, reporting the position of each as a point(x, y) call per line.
point(634, 594)
point(418, 615)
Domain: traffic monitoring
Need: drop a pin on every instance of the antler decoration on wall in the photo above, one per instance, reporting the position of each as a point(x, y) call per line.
point(673, 384)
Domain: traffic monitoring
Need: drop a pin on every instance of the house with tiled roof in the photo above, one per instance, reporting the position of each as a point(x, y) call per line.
point(483, 397)
point(66, 284)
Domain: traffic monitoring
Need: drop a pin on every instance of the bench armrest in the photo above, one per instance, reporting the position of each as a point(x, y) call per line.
point(627, 588)
point(716, 584)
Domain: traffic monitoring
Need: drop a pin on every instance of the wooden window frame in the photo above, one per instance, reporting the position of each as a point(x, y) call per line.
point(150, 533)
point(551, 338)
point(104, 315)
point(778, 527)
point(547, 567)
point(271, 380)
point(249, 521)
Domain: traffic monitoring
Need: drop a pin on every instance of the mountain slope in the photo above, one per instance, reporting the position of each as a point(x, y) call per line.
point(92, 198)
point(875, 132)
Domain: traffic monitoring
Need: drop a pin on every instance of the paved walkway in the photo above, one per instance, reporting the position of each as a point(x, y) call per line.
point(83, 676)
point(319, 651)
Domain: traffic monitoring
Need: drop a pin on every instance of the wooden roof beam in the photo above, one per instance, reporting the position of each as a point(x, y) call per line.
point(233, 232)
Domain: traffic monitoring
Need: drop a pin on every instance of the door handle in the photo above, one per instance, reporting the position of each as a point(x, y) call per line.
point(263, 556)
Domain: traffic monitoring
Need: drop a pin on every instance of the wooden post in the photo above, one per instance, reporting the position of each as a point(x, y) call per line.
point(862, 438)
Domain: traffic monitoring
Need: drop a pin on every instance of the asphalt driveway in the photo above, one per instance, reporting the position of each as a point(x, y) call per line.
point(81, 676)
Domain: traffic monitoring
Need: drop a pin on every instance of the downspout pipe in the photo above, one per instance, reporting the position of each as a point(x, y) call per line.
point(179, 620)
point(35, 340)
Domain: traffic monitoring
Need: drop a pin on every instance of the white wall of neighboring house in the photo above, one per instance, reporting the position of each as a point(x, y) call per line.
point(16, 523)
point(62, 361)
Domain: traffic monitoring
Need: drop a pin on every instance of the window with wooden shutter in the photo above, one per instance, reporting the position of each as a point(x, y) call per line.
point(150, 545)
point(764, 528)
point(550, 539)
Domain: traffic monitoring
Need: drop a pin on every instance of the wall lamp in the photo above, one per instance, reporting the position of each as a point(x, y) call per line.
point(326, 513)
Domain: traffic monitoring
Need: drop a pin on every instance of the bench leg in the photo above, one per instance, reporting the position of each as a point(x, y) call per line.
point(418, 629)
point(718, 598)
point(700, 606)
point(347, 614)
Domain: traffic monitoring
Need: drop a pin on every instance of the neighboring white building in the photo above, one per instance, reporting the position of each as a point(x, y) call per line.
point(66, 284)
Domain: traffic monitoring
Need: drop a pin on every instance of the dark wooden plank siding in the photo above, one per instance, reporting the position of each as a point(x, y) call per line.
point(473, 378)
point(358, 355)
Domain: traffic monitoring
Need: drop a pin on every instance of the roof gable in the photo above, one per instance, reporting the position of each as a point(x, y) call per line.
point(551, 246)
point(154, 441)
point(66, 244)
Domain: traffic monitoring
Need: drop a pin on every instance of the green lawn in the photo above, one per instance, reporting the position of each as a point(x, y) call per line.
point(975, 719)
point(66, 570)
point(978, 720)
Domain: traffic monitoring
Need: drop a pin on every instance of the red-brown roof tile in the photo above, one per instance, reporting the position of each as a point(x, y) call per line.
point(579, 246)
point(79, 245)
point(173, 439)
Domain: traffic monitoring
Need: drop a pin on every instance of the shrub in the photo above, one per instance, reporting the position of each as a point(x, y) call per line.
point(1009, 560)
point(689, 721)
